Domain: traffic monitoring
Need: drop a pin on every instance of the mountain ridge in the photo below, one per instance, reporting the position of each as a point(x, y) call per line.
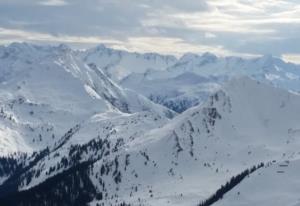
point(166, 136)
point(159, 158)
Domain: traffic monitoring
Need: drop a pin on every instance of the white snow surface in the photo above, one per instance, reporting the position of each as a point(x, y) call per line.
point(195, 77)
point(275, 185)
point(45, 91)
point(241, 114)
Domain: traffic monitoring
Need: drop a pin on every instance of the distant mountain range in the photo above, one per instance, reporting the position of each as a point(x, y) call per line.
point(110, 127)
point(189, 80)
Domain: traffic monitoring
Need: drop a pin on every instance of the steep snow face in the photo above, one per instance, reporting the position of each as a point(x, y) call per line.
point(277, 184)
point(45, 91)
point(149, 160)
point(237, 128)
point(119, 64)
point(41, 99)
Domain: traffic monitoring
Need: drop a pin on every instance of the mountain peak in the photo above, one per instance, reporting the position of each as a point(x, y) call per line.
point(101, 47)
point(188, 57)
point(209, 55)
point(64, 47)
point(20, 46)
point(205, 57)
point(267, 58)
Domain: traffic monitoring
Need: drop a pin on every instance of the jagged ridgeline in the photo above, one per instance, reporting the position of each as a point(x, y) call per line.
point(72, 133)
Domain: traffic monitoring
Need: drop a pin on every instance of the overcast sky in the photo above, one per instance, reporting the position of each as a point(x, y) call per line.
point(224, 27)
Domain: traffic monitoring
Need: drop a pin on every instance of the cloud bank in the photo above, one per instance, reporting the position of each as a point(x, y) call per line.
point(243, 27)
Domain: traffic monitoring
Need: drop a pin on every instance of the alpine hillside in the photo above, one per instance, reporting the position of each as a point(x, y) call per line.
point(110, 127)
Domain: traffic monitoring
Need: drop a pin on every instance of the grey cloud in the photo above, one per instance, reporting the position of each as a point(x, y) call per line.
point(179, 5)
point(122, 20)
point(88, 17)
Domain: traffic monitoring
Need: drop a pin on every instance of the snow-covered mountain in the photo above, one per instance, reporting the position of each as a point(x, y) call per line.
point(196, 77)
point(45, 91)
point(118, 64)
point(189, 80)
point(145, 159)
point(70, 134)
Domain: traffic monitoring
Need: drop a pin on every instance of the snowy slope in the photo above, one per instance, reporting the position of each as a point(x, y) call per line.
point(78, 132)
point(231, 132)
point(149, 160)
point(276, 185)
point(45, 91)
